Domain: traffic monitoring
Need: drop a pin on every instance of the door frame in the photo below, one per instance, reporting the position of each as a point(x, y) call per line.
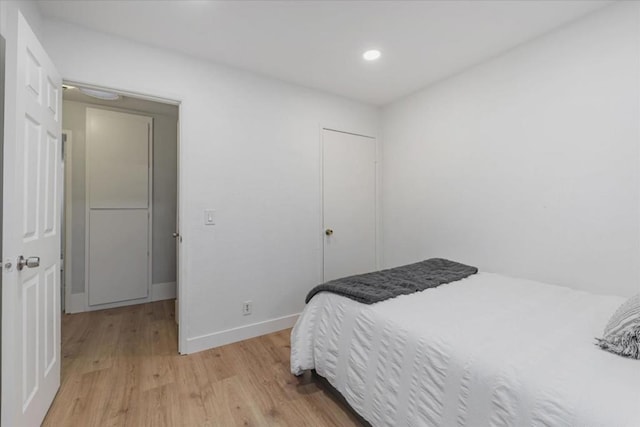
point(378, 194)
point(67, 260)
point(181, 271)
point(3, 68)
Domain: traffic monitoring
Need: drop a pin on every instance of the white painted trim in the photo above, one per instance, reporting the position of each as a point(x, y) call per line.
point(168, 99)
point(321, 186)
point(75, 303)
point(68, 221)
point(181, 252)
point(379, 216)
point(181, 273)
point(217, 339)
point(163, 291)
point(347, 132)
point(117, 304)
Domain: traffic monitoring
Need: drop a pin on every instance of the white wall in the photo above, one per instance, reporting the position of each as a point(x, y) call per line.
point(8, 18)
point(164, 192)
point(528, 164)
point(250, 150)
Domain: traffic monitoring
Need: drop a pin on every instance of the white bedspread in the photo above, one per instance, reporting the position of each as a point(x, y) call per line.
point(486, 350)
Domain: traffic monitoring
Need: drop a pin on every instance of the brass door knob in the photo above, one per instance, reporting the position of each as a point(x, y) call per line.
point(328, 232)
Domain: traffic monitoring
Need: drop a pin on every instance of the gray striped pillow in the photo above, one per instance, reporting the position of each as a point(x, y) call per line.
point(622, 333)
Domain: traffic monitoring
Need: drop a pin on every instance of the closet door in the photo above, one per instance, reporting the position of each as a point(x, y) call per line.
point(349, 204)
point(118, 195)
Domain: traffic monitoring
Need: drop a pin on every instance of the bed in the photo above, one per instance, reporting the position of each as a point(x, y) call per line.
point(484, 350)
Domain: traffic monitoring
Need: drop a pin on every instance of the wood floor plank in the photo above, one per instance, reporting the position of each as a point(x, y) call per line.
point(121, 367)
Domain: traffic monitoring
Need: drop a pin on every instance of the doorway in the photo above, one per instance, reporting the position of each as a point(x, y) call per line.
point(121, 192)
point(31, 217)
point(349, 204)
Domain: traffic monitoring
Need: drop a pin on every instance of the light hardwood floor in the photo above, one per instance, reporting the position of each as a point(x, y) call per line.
point(121, 367)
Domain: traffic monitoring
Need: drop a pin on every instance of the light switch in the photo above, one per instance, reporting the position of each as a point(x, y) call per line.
point(209, 218)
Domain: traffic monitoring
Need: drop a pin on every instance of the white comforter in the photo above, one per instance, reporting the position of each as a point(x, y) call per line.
point(486, 350)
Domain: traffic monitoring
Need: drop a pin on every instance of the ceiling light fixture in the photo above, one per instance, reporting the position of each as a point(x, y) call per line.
point(100, 94)
point(371, 55)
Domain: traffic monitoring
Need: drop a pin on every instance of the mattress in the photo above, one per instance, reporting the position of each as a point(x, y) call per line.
point(485, 350)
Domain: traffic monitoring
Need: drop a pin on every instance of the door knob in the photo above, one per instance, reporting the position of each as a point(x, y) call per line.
point(175, 235)
point(31, 262)
point(328, 232)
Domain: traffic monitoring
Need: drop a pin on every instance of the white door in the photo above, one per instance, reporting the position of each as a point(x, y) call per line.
point(31, 233)
point(349, 204)
point(119, 206)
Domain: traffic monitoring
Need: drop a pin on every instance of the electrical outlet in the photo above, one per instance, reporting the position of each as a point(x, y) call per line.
point(247, 308)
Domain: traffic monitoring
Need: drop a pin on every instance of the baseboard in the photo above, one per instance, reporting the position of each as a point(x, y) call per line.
point(118, 304)
point(162, 291)
point(217, 339)
point(159, 292)
point(75, 303)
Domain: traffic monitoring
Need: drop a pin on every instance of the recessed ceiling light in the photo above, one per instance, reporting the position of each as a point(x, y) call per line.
point(100, 94)
point(371, 55)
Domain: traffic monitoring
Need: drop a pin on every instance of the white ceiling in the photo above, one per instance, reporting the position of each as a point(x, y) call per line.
point(319, 43)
